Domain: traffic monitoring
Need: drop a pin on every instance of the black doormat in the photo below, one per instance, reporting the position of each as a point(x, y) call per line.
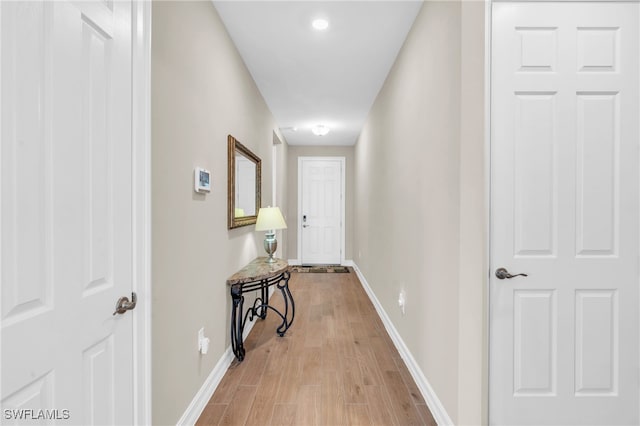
point(320, 269)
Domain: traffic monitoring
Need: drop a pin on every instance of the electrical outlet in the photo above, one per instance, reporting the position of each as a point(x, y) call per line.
point(200, 338)
point(203, 342)
point(402, 298)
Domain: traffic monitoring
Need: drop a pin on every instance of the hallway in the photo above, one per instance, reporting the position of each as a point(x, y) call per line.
point(485, 186)
point(415, 200)
point(336, 365)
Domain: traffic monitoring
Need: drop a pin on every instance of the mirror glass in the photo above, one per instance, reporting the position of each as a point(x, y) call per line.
point(244, 185)
point(245, 196)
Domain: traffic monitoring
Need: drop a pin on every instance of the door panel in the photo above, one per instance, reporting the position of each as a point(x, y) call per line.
point(66, 225)
point(597, 185)
point(564, 210)
point(535, 351)
point(596, 364)
point(535, 174)
point(26, 285)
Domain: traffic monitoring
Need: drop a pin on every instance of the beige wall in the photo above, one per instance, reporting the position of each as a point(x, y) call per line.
point(419, 200)
point(201, 92)
point(292, 188)
point(282, 192)
point(473, 285)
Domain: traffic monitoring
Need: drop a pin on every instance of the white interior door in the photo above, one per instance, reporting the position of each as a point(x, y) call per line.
point(564, 210)
point(321, 210)
point(66, 216)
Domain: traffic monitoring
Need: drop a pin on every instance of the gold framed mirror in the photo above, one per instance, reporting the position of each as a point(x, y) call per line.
point(244, 183)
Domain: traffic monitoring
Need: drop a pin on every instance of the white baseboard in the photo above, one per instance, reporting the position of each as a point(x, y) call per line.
point(348, 262)
point(201, 399)
point(199, 402)
point(438, 411)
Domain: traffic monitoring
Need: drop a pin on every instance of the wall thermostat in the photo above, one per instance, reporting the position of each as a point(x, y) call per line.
point(202, 180)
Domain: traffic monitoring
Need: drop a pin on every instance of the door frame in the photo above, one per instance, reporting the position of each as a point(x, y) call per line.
point(488, 53)
point(486, 374)
point(141, 220)
point(342, 161)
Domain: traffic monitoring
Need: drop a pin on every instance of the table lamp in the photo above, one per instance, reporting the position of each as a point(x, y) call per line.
point(270, 219)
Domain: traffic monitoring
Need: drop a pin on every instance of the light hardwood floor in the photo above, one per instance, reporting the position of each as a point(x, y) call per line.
point(335, 366)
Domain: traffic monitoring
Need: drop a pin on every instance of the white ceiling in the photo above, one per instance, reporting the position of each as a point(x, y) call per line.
point(311, 77)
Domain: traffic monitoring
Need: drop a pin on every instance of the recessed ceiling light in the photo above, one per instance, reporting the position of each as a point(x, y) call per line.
point(320, 24)
point(320, 130)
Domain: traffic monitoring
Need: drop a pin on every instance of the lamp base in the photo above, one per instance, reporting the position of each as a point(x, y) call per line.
point(270, 246)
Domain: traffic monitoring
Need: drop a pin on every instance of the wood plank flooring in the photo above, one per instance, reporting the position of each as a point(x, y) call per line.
point(335, 366)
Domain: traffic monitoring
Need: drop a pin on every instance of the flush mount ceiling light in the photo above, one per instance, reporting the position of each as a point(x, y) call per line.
point(320, 24)
point(320, 130)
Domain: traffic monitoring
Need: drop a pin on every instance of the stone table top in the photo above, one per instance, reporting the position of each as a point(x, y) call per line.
point(257, 270)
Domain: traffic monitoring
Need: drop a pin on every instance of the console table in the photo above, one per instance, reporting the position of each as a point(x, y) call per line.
point(259, 276)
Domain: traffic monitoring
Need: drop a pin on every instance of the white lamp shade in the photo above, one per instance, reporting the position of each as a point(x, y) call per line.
point(270, 218)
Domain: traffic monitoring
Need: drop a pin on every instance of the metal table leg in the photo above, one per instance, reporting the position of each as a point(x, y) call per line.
point(283, 285)
point(259, 308)
point(237, 323)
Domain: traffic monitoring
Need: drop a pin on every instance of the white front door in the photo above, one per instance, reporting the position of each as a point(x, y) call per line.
point(564, 210)
point(66, 216)
point(321, 210)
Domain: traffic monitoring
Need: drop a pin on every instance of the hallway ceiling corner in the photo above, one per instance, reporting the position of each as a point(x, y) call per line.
point(309, 77)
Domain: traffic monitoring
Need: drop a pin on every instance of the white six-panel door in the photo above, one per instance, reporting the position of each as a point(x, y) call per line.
point(564, 210)
point(321, 233)
point(66, 217)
